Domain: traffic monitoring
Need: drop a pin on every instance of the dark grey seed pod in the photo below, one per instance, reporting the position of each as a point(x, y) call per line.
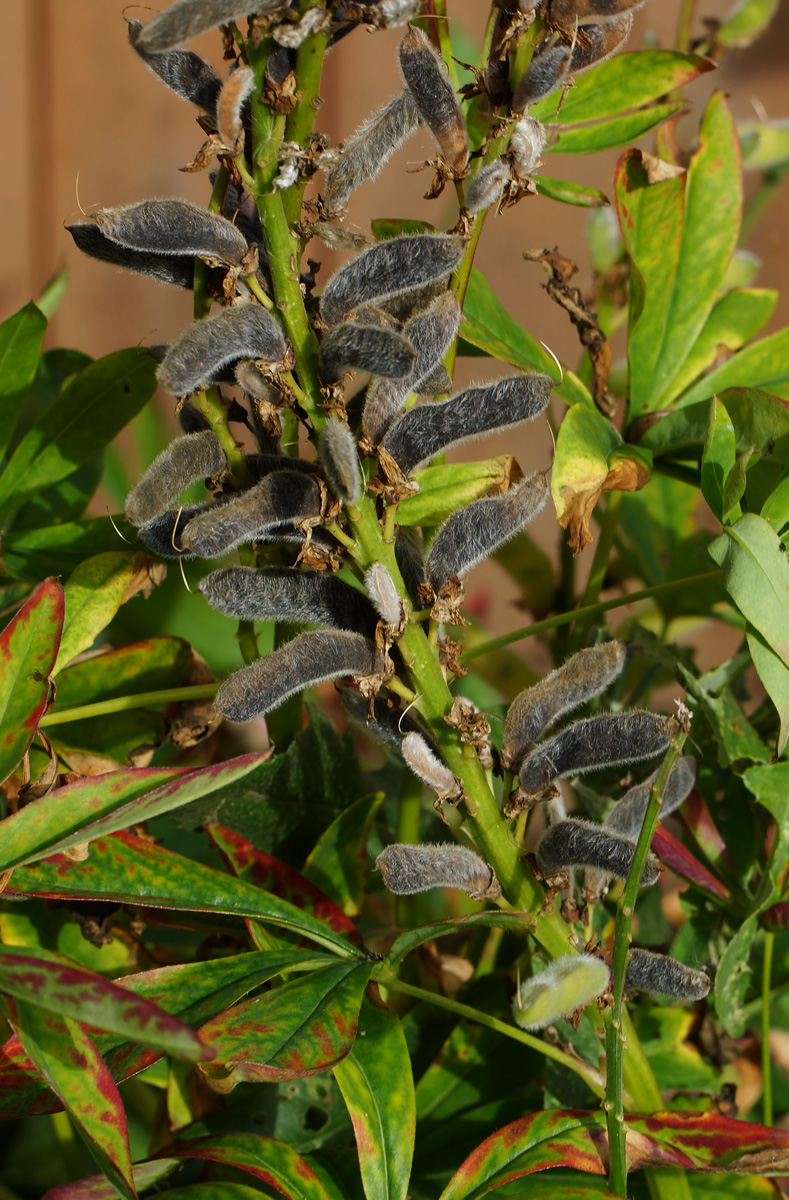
point(437, 383)
point(203, 350)
point(574, 843)
point(472, 533)
point(254, 382)
point(486, 187)
point(427, 430)
point(340, 457)
point(370, 348)
point(526, 145)
point(173, 227)
point(187, 19)
point(605, 741)
point(565, 13)
point(261, 465)
point(370, 148)
point(426, 78)
point(309, 659)
point(191, 419)
point(289, 594)
point(163, 534)
point(187, 459)
point(410, 555)
point(239, 208)
point(664, 976)
point(596, 43)
point(497, 70)
point(234, 95)
point(383, 594)
point(387, 725)
point(391, 268)
point(169, 268)
point(547, 70)
point(426, 764)
point(407, 870)
point(627, 816)
point(581, 678)
point(430, 333)
point(182, 71)
point(283, 497)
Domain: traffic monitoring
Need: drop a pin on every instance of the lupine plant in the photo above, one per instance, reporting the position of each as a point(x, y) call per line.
point(243, 952)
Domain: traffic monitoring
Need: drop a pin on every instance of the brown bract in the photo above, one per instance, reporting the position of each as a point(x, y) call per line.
point(625, 475)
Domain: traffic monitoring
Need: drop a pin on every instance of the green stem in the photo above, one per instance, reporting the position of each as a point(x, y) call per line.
point(767, 1079)
point(197, 691)
point(301, 120)
point(685, 25)
point(408, 833)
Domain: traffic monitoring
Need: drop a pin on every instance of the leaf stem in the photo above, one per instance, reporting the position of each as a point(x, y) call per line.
point(197, 691)
point(767, 1080)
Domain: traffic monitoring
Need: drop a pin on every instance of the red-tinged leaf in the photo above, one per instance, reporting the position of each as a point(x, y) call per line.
point(96, 1187)
point(72, 1066)
point(131, 870)
point(273, 1162)
point(28, 651)
point(339, 862)
point(301, 1028)
point(680, 860)
point(217, 1190)
point(23, 1092)
point(776, 916)
point(698, 820)
point(259, 868)
point(59, 985)
point(518, 923)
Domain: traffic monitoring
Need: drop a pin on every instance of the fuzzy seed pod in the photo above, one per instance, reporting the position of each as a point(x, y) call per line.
point(239, 208)
point(565, 13)
point(426, 78)
point(187, 459)
point(394, 267)
point(191, 419)
point(664, 976)
point(173, 227)
point(426, 764)
point(472, 533)
point(261, 465)
point(389, 726)
point(526, 145)
point(206, 347)
point(605, 741)
point(340, 457)
point(430, 333)
point(370, 148)
point(187, 19)
point(497, 69)
point(596, 43)
point(233, 97)
point(576, 843)
point(581, 678)
point(627, 816)
point(427, 430)
point(182, 71)
point(370, 348)
point(407, 870)
point(383, 594)
point(410, 555)
point(163, 534)
point(283, 497)
point(309, 659)
point(547, 70)
point(168, 268)
point(566, 984)
point(289, 594)
point(486, 187)
point(437, 383)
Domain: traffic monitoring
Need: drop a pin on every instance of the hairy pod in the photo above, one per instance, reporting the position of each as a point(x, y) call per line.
point(547, 70)
point(384, 595)
point(427, 430)
point(566, 984)
point(191, 419)
point(430, 333)
point(596, 43)
point(395, 267)
point(389, 726)
point(426, 79)
point(581, 678)
point(497, 69)
point(605, 741)
point(187, 19)
point(664, 976)
point(289, 594)
point(407, 870)
point(163, 534)
point(472, 533)
point(426, 764)
point(207, 347)
point(576, 843)
point(182, 71)
point(284, 497)
point(229, 110)
point(187, 459)
point(486, 187)
point(340, 458)
point(311, 658)
point(627, 816)
point(173, 227)
point(370, 148)
point(437, 383)
point(526, 145)
point(168, 268)
point(239, 208)
point(261, 465)
point(372, 348)
point(410, 555)
point(565, 13)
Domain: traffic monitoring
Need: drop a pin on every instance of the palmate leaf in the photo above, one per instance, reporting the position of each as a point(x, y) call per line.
point(31, 553)
point(756, 574)
point(94, 593)
point(149, 666)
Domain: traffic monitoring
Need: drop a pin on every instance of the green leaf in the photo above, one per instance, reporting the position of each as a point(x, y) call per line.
point(775, 509)
point(732, 978)
point(55, 369)
point(98, 1187)
point(64, 502)
point(717, 459)
point(746, 22)
point(93, 408)
point(759, 420)
point(618, 131)
point(489, 326)
point(338, 864)
point(301, 1028)
point(117, 740)
point(49, 298)
point(735, 319)
point(28, 650)
point(449, 486)
point(272, 1162)
point(218, 1190)
point(567, 192)
point(763, 364)
point(756, 575)
point(21, 339)
point(94, 593)
point(734, 487)
point(389, 227)
point(517, 923)
point(31, 553)
point(378, 1087)
point(736, 738)
point(149, 666)
point(765, 144)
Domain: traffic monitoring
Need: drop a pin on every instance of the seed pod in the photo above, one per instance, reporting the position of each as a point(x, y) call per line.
point(581, 678)
point(437, 383)
point(429, 767)
point(627, 816)
point(664, 976)
point(340, 457)
point(566, 984)
point(486, 187)
point(426, 78)
point(596, 43)
point(576, 843)
point(430, 334)
point(205, 348)
point(169, 268)
point(281, 498)
point(427, 430)
point(187, 459)
point(187, 19)
point(370, 348)
point(497, 70)
point(565, 13)
point(389, 726)
point(261, 465)
point(234, 95)
point(407, 870)
point(191, 419)
point(182, 71)
point(173, 227)
point(311, 658)
point(383, 594)
point(472, 533)
point(370, 148)
point(239, 208)
point(547, 70)
point(289, 594)
point(526, 145)
point(605, 741)
point(410, 555)
point(394, 267)
point(163, 534)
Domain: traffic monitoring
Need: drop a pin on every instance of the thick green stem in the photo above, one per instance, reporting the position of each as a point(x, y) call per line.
point(197, 691)
point(767, 1080)
point(300, 122)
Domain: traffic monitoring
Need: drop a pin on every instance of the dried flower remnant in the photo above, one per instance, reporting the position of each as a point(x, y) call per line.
point(370, 148)
point(182, 71)
point(370, 348)
point(664, 976)
point(204, 349)
point(178, 269)
point(577, 843)
point(284, 497)
point(486, 187)
point(340, 457)
point(586, 675)
point(425, 763)
point(307, 660)
point(526, 145)
point(289, 594)
point(426, 78)
point(383, 594)
point(566, 984)
point(187, 19)
point(174, 227)
point(235, 93)
point(187, 459)
point(408, 869)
